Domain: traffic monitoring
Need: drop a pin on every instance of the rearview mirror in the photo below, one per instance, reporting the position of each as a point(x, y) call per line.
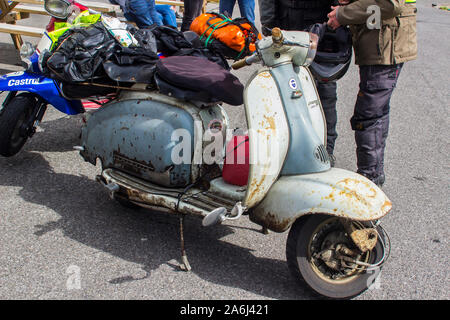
point(60, 9)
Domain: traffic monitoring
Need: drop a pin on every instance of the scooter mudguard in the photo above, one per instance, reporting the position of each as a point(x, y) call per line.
point(336, 192)
point(42, 86)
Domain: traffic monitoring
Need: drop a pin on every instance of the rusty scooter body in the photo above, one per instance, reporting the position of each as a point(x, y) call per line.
point(335, 242)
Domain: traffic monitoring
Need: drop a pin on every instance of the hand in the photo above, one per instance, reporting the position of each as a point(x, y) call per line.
point(332, 19)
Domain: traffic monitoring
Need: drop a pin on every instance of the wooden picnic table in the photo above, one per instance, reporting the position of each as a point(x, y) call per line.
point(12, 11)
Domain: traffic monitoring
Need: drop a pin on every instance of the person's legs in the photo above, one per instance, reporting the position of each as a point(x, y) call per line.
point(328, 97)
point(138, 12)
point(143, 13)
point(168, 15)
point(247, 9)
point(371, 118)
point(226, 7)
point(153, 13)
point(192, 9)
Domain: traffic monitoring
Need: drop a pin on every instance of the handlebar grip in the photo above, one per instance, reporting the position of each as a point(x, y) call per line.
point(277, 37)
point(239, 64)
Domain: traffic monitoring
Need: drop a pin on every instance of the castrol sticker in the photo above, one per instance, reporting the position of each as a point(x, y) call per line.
point(21, 82)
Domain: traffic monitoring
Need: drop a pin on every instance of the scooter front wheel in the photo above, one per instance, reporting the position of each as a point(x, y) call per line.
point(14, 119)
point(317, 252)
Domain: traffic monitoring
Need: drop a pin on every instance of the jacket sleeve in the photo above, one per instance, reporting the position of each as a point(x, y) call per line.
point(357, 12)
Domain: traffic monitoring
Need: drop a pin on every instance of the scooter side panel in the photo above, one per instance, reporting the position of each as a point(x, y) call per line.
point(42, 86)
point(307, 153)
point(313, 102)
point(268, 135)
point(148, 139)
point(336, 192)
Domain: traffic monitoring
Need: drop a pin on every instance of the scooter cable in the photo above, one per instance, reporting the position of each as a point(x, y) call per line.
point(375, 266)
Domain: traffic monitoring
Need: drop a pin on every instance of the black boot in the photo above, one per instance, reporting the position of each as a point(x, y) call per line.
point(378, 180)
point(331, 157)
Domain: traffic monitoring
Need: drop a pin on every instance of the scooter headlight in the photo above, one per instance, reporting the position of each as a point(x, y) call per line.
point(313, 42)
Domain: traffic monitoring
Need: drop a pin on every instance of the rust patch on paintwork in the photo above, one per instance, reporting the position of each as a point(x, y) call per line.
point(330, 196)
point(271, 222)
point(352, 194)
point(349, 181)
point(265, 74)
point(271, 123)
point(254, 186)
point(154, 200)
point(386, 207)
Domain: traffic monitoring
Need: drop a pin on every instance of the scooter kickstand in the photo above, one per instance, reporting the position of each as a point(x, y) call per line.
point(184, 265)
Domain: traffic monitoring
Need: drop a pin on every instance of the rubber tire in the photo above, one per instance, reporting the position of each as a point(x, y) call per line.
point(10, 115)
point(299, 266)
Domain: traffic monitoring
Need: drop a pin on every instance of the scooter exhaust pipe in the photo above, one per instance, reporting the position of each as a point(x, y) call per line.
point(112, 187)
point(219, 215)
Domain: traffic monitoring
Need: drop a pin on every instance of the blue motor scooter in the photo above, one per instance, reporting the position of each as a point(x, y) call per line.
point(30, 92)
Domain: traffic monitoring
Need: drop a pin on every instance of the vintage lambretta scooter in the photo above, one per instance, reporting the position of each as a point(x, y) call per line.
point(335, 243)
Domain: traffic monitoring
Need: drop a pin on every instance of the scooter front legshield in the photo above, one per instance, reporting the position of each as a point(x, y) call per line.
point(336, 192)
point(41, 86)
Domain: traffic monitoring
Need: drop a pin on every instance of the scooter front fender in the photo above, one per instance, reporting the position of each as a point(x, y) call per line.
point(335, 192)
point(41, 86)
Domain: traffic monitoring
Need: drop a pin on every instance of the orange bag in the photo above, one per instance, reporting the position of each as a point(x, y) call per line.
point(238, 34)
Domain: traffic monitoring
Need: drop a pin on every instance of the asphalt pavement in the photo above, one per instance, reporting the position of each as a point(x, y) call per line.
point(63, 238)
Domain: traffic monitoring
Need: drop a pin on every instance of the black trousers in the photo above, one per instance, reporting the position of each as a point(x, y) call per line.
point(192, 9)
point(328, 96)
point(371, 116)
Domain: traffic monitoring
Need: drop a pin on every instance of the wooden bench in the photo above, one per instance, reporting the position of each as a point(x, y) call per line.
point(105, 7)
point(21, 30)
point(21, 9)
point(24, 10)
point(30, 9)
point(170, 2)
point(97, 6)
point(12, 16)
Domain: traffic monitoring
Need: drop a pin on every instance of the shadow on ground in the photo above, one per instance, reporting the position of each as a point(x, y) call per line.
point(88, 216)
point(9, 56)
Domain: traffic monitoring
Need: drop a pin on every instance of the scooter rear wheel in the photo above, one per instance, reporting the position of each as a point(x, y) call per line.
point(314, 235)
point(13, 121)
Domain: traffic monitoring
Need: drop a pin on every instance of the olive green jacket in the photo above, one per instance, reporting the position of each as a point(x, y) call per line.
point(390, 41)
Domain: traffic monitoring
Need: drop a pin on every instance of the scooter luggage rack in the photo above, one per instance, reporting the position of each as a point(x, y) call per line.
point(142, 87)
point(134, 87)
